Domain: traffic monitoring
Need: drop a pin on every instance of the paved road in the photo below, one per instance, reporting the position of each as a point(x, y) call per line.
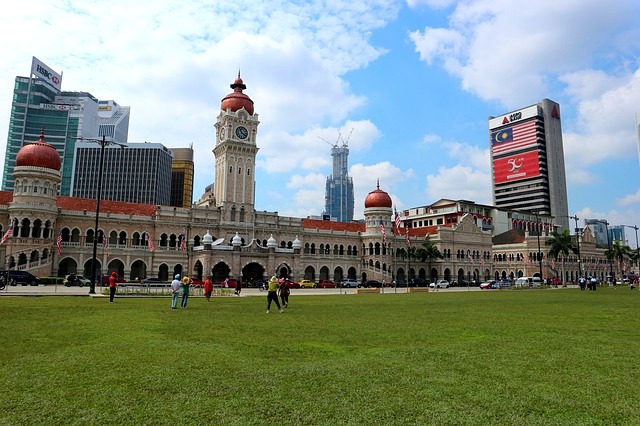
point(60, 290)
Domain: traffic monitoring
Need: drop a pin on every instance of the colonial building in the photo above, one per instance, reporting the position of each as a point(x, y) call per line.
point(223, 234)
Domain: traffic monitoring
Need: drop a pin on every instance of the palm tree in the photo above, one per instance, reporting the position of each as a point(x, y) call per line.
point(561, 244)
point(429, 252)
point(618, 253)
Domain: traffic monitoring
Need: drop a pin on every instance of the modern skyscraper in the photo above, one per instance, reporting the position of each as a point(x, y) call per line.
point(181, 177)
point(113, 121)
point(135, 173)
point(528, 161)
point(339, 201)
point(39, 105)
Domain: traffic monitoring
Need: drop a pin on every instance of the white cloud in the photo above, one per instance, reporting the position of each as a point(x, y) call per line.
point(459, 182)
point(511, 51)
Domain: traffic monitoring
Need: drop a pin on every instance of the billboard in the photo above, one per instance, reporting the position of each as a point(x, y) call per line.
point(519, 136)
point(39, 69)
point(516, 167)
point(514, 117)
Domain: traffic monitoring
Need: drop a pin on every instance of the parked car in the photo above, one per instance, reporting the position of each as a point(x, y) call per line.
point(418, 282)
point(21, 277)
point(289, 283)
point(105, 279)
point(70, 280)
point(350, 284)
point(233, 283)
point(154, 282)
point(196, 282)
point(326, 284)
point(399, 283)
point(372, 283)
point(307, 284)
point(440, 284)
point(487, 284)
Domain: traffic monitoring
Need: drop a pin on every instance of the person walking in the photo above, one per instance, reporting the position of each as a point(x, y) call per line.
point(208, 288)
point(175, 291)
point(238, 286)
point(284, 291)
point(113, 280)
point(272, 294)
point(186, 282)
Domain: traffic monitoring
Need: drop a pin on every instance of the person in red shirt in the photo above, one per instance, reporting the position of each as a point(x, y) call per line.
point(208, 288)
point(113, 280)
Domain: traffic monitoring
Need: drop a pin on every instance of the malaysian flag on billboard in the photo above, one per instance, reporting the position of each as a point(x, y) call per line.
point(522, 135)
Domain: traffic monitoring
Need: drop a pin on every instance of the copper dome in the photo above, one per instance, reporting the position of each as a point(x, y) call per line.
point(39, 154)
point(378, 198)
point(236, 99)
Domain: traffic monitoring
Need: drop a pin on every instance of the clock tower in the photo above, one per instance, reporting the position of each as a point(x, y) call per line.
point(235, 155)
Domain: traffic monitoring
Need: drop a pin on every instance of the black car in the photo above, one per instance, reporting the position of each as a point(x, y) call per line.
point(418, 282)
point(372, 283)
point(154, 282)
point(20, 277)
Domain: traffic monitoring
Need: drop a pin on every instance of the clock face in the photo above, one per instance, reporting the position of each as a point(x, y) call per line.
point(242, 132)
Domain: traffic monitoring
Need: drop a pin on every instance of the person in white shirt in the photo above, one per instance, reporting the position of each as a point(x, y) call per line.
point(175, 291)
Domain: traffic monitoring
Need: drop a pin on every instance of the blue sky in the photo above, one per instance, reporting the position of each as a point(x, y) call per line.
point(412, 81)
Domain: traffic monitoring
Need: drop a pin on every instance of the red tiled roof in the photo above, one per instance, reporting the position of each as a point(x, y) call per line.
point(106, 206)
point(328, 225)
point(6, 197)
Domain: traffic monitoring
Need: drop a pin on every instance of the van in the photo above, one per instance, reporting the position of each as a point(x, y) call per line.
point(15, 277)
point(528, 282)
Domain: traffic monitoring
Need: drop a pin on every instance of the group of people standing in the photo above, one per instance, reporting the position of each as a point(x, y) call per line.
point(278, 291)
point(180, 287)
point(278, 288)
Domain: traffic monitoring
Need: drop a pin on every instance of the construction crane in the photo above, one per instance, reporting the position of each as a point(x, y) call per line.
point(345, 143)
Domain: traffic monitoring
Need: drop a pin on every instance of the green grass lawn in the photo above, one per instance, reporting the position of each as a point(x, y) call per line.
point(552, 357)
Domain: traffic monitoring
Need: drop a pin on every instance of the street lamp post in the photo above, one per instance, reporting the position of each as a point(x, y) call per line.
point(576, 218)
point(94, 270)
point(635, 227)
point(538, 235)
point(606, 225)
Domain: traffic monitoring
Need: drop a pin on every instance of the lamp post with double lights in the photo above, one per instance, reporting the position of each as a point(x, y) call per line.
point(606, 226)
point(576, 218)
point(538, 231)
point(634, 227)
point(103, 143)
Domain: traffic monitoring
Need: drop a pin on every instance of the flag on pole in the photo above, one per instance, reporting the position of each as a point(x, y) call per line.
point(470, 257)
point(105, 244)
point(397, 219)
point(7, 234)
point(149, 242)
point(382, 230)
point(182, 242)
point(408, 238)
point(59, 243)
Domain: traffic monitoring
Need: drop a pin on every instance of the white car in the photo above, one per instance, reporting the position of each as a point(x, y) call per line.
point(440, 284)
point(350, 284)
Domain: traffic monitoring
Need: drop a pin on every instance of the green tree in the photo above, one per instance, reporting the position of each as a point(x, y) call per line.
point(618, 253)
point(561, 244)
point(429, 252)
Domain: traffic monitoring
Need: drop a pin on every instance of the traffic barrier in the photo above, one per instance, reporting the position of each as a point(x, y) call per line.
point(418, 289)
point(367, 290)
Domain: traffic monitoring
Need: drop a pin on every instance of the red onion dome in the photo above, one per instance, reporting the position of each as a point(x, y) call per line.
point(378, 198)
point(236, 99)
point(39, 154)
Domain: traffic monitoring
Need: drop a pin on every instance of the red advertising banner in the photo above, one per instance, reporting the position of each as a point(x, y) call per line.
point(516, 167)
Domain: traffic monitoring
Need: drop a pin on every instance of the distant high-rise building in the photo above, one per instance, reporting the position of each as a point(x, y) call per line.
point(527, 157)
point(181, 177)
point(39, 105)
point(136, 173)
point(638, 132)
point(113, 121)
point(339, 201)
